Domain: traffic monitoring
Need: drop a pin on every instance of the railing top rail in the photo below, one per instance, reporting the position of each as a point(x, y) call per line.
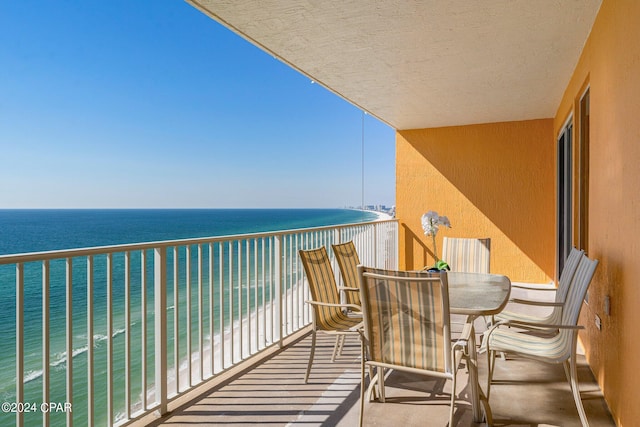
point(101, 250)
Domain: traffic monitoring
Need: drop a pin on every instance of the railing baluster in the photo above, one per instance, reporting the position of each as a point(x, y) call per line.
point(127, 334)
point(289, 285)
point(300, 276)
point(69, 337)
point(300, 282)
point(272, 282)
point(176, 318)
point(231, 317)
point(278, 286)
point(211, 313)
point(240, 316)
point(143, 325)
point(19, 341)
point(255, 293)
point(221, 304)
point(200, 315)
point(248, 281)
point(110, 415)
point(305, 243)
point(294, 283)
point(264, 291)
point(285, 286)
point(188, 325)
point(45, 338)
point(160, 320)
point(90, 405)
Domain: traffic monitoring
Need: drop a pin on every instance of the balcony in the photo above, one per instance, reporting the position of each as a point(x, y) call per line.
point(245, 294)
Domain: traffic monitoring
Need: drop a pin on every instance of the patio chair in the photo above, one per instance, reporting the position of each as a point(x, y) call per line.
point(406, 328)
point(558, 348)
point(467, 255)
point(348, 261)
point(555, 316)
point(328, 315)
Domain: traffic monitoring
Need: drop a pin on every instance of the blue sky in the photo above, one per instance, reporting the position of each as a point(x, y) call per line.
point(151, 104)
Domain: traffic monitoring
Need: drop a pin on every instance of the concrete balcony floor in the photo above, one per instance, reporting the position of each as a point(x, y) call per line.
point(524, 393)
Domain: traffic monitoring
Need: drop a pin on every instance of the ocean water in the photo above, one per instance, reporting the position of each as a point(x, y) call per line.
point(42, 230)
point(23, 231)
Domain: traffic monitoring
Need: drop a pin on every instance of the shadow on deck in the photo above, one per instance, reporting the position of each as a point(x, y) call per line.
point(524, 393)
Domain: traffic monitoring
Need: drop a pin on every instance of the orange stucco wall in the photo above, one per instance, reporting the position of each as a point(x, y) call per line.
point(498, 180)
point(610, 65)
point(491, 180)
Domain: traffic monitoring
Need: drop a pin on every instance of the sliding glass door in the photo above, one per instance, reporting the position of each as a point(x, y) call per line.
point(564, 202)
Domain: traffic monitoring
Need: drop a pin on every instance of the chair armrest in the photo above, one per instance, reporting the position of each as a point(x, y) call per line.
point(534, 287)
point(528, 326)
point(535, 326)
point(461, 346)
point(537, 303)
point(328, 304)
point(464, 338)
point(348, 289)
point(531, 326)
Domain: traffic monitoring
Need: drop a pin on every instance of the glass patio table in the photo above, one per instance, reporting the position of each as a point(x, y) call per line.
point(475, 295)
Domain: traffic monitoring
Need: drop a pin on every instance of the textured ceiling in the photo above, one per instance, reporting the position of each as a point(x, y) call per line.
point(420, 64)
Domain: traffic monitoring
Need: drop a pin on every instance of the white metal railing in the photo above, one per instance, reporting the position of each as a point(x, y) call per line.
point(106, 335)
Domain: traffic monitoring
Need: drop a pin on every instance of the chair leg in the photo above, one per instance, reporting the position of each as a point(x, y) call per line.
point(381, 383)
point(453, 399)
point(491, 361)
point(373, 381)
point(373, 378)
point(576, 391)
point(362, 368)
point(567, 372)
point(311, 354)
point(337, 348)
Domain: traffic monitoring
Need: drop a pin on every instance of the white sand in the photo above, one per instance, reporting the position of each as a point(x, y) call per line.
point(259, 319)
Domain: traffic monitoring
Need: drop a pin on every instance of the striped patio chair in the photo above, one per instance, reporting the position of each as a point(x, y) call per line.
point(559, 348)
point(467, 255)
point(406, 327)
point(555, 316)
point(328, 315)
point(348, 261)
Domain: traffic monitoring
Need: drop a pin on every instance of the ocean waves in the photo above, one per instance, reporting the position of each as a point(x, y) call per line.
point(60, 359)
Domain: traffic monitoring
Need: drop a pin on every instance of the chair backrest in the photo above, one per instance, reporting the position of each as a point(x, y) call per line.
point(406, 318)
point(348, 261)
point(322, 284)
point(569, 269)
point(562, 345)
point(578, 290)
point(467, 255)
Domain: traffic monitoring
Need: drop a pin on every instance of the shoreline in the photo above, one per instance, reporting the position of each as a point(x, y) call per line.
point(380, 216)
